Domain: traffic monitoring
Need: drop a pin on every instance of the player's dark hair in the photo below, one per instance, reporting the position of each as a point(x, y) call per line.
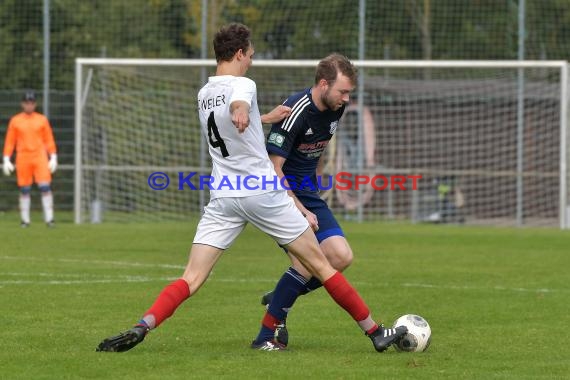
point(229, 39)
point(329, 67)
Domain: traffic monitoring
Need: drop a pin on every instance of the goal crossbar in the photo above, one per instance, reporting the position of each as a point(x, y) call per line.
point(313, 63)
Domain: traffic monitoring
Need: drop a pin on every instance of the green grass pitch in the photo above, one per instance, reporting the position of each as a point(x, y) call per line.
point(497, 301)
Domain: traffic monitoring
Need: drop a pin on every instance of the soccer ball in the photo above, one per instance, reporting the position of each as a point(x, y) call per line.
point(419, 333)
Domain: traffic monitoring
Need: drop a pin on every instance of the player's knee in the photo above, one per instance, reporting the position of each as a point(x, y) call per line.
point(44, 188)
point(343, 258)
point(25, 190)
point(347, 257)
point(339, 255)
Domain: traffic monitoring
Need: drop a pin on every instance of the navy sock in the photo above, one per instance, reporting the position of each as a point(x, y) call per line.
point(286, 292)
point(265, 334)
point(312, 284)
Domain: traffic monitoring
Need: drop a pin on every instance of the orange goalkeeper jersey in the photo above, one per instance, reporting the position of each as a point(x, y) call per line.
point(30, 134)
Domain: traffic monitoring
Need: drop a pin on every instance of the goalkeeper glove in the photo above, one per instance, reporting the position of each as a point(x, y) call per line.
point(8, 167)
point(52, 164)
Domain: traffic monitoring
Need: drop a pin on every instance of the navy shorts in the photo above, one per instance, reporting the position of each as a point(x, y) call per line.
point(328, 226)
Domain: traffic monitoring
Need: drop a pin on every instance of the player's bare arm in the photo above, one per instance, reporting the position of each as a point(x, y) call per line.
point(278, 162)
point(276, 115)
point(240, 115)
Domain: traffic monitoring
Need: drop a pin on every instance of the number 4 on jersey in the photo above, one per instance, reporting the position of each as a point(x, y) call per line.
point(218, 142)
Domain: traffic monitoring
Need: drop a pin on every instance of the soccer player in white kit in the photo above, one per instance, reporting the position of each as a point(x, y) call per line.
point(230, 119)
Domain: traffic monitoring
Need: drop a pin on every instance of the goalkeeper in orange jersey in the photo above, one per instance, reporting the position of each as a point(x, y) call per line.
point(30, 134)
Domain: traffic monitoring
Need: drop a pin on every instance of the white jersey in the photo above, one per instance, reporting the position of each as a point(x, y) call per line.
point(240, 164)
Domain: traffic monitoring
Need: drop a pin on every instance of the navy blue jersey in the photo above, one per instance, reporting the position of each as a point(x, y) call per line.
point(301, 138)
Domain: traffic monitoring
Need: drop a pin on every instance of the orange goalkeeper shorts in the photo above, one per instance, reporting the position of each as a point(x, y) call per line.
point(33, 168)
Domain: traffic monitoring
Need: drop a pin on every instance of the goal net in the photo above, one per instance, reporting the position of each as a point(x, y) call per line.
point(488, 139)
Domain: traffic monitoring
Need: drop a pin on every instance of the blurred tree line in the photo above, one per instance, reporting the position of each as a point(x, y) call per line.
point(127, 28)
point(395, 29)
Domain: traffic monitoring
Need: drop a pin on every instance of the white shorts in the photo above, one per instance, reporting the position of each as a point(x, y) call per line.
point(274, 213)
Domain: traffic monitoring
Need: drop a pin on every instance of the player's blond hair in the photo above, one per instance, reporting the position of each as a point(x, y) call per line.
point(329, 67)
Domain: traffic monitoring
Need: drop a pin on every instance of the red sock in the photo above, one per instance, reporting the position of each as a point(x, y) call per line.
point(346, 296)
point(168, 300)
point(270, 321)
point(370, 331)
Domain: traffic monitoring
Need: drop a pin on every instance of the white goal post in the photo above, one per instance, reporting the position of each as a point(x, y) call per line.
point(488, 138)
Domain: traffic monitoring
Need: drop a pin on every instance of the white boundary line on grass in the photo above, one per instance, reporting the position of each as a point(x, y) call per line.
point(467, 287)
point(98, 262)
point(82, 282)
point(71, 275)
point(140, 279)
point(105, 279)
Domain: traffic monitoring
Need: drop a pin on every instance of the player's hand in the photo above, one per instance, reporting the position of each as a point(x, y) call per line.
point(52, 164)
point(7, 166)
point(240, 120)
point(312, 219)
point(276, 115)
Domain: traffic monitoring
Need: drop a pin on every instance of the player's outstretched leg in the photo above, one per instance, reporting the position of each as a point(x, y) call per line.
point(202, 259)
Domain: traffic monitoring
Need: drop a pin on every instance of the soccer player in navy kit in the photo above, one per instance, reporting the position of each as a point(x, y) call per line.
point(295, 146)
